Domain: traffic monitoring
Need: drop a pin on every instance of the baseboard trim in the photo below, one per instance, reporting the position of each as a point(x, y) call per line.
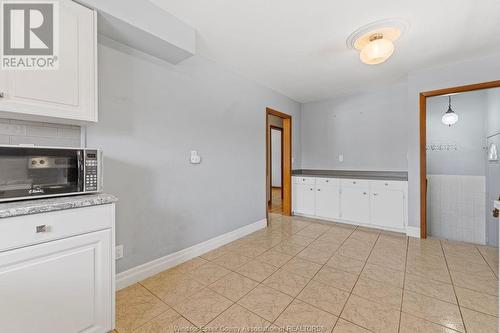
point(141, 272)
point(413, 232)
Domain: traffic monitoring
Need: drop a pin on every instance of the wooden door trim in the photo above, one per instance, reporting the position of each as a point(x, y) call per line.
point(423, 139)
point(287, 158)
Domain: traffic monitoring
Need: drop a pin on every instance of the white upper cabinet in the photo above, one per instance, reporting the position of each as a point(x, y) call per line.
point(67, 94)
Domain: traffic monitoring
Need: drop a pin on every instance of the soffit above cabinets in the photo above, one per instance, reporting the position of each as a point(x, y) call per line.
point(145, 27)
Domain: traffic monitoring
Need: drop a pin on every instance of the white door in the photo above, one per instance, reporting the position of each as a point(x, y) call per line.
point(305, 199)
point(70, 91)
point(387, 209)
point(355, 205)
point(328, 202)
point(62, 286)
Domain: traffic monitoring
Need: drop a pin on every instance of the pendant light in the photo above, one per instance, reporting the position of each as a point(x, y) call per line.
point(450, 117)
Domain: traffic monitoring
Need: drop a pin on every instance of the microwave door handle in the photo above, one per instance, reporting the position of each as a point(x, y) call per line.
point(81, 170)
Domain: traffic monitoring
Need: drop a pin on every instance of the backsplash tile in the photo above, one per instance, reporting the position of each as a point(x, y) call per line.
point(40, 134)
point(457, 207)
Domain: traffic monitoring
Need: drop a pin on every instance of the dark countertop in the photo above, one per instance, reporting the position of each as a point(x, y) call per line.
point(372, 175)
point(36, 206)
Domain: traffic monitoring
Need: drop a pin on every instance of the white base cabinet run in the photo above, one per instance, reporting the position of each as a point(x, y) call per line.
point(376, 203)
point(60, 280)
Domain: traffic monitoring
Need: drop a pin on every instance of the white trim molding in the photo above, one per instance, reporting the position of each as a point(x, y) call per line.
point(141, 272)
point(413, 232)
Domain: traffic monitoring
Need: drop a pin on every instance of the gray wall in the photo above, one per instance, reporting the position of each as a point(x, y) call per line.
point(16, 132)
point(468, 135)
point(369, 129)
point(151, 115)
point(493, 112)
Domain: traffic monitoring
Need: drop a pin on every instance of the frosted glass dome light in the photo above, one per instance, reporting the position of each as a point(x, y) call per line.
point(450, 117)
point(377, 50)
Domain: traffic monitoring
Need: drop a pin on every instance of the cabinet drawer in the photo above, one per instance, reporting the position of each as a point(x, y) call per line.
point(327, 182)
point(387, 185)
point(304, 180)
point(357, 183)
point(27, 230)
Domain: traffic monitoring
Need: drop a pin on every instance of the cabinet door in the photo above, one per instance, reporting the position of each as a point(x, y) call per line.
point(355, 205)
point(64, 286)
point(328, 202)
point(305, 199)
point(387, 209)
point(68, 92)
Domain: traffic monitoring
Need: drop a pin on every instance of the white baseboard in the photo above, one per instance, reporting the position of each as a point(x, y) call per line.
point(413, 232)
point(141, 272)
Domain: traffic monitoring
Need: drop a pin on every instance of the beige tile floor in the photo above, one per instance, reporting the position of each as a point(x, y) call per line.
point(301, 275)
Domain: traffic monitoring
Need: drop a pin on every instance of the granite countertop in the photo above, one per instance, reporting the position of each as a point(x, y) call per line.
point(36, 206)
point(372, 175)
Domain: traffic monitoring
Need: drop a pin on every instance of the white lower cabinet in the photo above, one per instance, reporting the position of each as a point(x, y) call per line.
point(305, 200)
point(355, 205)
point(327, 202)
point(59, 286)
point(380, 204)
point(387, 208)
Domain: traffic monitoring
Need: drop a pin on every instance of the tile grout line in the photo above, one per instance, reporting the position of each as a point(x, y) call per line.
point(404, 283)
point(453, 285)
point(294, 298)
point(356, 282)
point(487, 263)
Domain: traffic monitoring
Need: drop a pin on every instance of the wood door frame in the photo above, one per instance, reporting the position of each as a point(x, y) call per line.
point(276, 128)
point(286, 165)
point(423, 139)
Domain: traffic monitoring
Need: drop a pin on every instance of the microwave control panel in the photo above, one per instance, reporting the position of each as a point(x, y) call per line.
point(91, 180)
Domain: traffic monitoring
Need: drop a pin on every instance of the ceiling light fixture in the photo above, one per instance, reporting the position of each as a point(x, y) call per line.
point(450, 117)
point(375, 41)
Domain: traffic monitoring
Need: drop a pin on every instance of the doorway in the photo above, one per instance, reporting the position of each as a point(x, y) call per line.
point(276, 173)
point(278, 162)
point(458, 181)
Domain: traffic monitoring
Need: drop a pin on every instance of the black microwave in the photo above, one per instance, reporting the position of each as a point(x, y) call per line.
point(29, 172)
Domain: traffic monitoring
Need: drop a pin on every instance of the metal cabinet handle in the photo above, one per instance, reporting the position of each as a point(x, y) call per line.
point(364, 193)
point(375, 194)
point(319, 190)
point(354, 182)
point(311, 189)
point(386, 184)
point(42, 228)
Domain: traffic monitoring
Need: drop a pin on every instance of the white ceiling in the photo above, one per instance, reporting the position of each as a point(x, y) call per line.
point(298, 47)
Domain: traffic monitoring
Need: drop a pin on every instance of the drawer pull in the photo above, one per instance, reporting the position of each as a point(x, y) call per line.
point(375, 194)
point(319, 190)
point(42, 228)
point(364, 193)
point(386, 184)
point(354, 182)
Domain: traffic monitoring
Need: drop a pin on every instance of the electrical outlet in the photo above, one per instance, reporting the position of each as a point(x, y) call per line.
point(118, 252)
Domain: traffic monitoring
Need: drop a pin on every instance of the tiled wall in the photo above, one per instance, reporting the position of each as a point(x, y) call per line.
point(41, 134)
point(457, 207)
